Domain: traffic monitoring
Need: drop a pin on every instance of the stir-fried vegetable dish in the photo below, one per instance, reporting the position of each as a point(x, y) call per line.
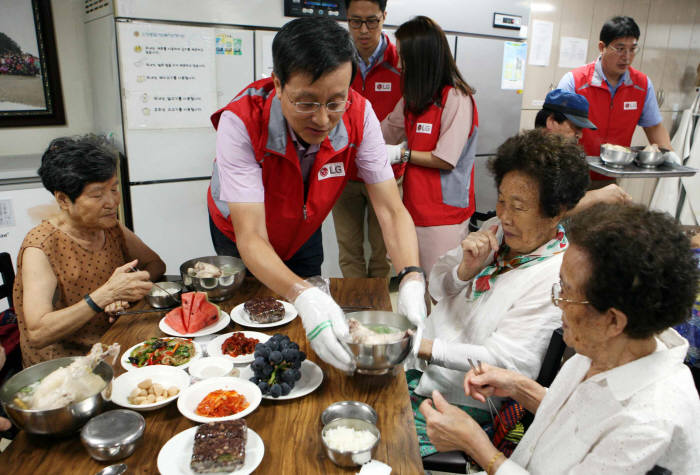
point(166, 351)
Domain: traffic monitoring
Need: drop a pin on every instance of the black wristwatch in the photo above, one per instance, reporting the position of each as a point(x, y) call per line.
point(408, 269)
point(406, 155)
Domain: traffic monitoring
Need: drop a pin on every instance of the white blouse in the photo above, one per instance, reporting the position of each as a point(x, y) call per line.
point(509, 326)
point(622, 421)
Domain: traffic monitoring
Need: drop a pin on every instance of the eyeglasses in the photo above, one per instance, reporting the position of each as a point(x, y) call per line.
point(557, 298)
point(356, 23)
point(335, 107)
point(621, 50)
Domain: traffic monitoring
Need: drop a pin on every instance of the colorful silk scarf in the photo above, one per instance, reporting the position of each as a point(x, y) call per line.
point(483, 282)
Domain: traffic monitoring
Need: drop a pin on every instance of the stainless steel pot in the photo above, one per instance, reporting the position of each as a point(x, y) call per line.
point(113, 435)
point(62, 421)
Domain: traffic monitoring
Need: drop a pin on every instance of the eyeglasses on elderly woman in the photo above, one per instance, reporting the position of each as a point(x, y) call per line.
point(557, 298)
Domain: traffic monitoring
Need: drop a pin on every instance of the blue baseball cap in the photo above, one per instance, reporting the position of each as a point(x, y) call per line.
point(573, 106)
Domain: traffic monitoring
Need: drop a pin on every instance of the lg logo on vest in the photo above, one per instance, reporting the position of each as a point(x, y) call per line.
point(382, 87)
point(331, 170)
point(630, 106)
point(424, 128)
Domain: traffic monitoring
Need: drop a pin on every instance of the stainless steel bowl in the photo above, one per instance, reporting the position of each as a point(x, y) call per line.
point(61, 421)
point(163, 301)
point(217, 288)
point(649, 159)
point(113, 435)
point(380, 359)
point(350, 458)
point(349, 410)
point(616, 158)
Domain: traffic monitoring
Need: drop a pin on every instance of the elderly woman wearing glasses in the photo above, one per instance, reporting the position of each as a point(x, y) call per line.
point(625, 402)
point(494, 290)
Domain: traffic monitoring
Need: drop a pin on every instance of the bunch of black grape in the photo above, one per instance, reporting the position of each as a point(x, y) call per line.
point(276, 365)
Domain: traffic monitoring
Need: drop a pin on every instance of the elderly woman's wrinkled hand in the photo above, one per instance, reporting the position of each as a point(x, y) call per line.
point(492, 381)
point(476, 249)
point(450, 428)
point(127, 285)
point(610, 194)
point(114, 308)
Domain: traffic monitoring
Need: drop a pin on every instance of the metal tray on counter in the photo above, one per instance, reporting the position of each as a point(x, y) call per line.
point(634, 171)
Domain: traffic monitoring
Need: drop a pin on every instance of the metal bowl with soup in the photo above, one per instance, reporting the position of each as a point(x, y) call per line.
point(60, 421)
point(380, 357)
point(218, 276)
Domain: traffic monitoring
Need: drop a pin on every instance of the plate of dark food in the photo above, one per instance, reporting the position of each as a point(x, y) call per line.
point(228, 447)
point(263, 312)
point(239, 346)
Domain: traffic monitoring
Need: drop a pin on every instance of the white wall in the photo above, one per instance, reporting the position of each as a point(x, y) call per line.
point(75, 83)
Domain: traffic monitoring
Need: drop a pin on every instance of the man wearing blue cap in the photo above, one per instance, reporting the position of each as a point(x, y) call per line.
point(566, 113)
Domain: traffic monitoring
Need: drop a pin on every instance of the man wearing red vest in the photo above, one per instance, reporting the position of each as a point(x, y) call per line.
point(284, 146)
point(620, 97)
point(379, 81)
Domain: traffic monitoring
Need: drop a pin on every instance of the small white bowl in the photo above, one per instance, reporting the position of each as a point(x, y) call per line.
point(166, 376)
point(211, 367)
point(191, 397)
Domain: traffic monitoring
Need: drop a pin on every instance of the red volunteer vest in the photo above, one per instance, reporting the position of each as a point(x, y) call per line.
point(616, 119)
point(439, 197)
point(290, 220)
point(382, 87)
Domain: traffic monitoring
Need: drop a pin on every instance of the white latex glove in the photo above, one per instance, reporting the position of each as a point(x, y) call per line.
point(324, 323)
point(672, 157)
point(411, 301)
point(394, 152)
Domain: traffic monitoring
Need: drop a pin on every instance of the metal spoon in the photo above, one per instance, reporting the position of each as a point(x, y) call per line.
point(115, 469)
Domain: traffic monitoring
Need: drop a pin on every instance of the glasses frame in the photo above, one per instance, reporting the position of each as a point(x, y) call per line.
point(317, 105)
point(364, 22)
point(557, 299)
point(621, 50)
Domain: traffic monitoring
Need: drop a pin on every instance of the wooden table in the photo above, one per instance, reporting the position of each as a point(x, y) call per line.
point(290, 429)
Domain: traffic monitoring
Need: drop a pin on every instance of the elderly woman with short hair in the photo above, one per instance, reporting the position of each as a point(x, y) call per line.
point(493, 290)
point(625, 402)
point(75, 268)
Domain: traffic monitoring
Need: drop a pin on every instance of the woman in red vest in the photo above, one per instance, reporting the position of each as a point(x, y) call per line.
point(437, 117)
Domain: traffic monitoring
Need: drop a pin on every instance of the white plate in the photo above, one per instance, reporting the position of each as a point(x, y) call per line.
point(214, 346)
point(212, 367)
point(239, 315)
point(175, 456)
point(129, 367)
point(311, 378)
point(165, 375)
point(219, 325)
point(192, 396)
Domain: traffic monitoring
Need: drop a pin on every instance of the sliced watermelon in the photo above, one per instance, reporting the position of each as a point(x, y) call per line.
point(174, 320)
point(207, 315)
point(199, 299)
point(187, 299)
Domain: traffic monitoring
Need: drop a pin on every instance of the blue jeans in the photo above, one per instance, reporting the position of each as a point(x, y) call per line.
point(306, 262)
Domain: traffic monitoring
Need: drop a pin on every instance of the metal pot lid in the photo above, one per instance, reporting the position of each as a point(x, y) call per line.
point(113, 428)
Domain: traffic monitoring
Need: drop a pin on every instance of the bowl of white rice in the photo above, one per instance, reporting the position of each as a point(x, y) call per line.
point(350, 442)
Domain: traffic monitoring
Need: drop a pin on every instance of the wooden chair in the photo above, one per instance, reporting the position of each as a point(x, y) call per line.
point(455, 461)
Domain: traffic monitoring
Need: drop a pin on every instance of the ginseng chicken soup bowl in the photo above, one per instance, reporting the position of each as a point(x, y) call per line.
point(63, 420)
point(372, 355)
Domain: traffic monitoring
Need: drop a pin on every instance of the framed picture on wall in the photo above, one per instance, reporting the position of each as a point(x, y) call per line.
point(30, 84)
